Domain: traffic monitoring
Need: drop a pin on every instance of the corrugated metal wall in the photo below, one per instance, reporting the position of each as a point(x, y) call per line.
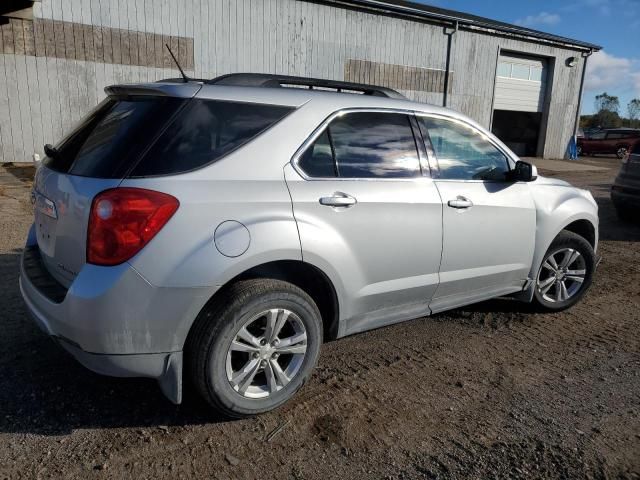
point(54, 70)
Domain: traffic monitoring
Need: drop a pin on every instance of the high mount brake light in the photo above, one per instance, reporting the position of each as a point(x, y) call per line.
point(123, 220)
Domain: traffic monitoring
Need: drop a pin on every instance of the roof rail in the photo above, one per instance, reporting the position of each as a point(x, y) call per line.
point(266, 80)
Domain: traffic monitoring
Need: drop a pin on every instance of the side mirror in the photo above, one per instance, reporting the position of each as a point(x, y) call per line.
point(523, 172)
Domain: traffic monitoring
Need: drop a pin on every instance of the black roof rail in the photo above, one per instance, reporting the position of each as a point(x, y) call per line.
point(267, 80)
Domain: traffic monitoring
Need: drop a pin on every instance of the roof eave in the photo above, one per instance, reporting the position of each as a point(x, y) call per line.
point(414, 10)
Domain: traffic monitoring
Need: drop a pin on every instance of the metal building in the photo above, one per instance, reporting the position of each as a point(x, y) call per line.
point(58, 55)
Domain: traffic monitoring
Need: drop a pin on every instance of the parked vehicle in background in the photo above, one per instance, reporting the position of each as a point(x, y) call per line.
point(625, 192)
point(614, 140)
point(224, 228)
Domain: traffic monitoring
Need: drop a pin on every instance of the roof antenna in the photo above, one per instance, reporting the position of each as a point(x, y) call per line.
point(184, 76)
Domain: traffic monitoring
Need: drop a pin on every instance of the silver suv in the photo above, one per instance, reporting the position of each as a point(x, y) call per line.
point(225, 228)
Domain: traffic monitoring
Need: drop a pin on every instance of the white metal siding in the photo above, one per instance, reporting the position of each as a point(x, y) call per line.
point(518, 94)
point(42, 96)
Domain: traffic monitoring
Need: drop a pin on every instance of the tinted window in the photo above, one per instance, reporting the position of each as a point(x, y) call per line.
point(614, 135)
point(636, 149)
point(462, 152)
point(597, 135)
point(205, 131)
point(372, 144)
point(317, 160)
point(110, 139)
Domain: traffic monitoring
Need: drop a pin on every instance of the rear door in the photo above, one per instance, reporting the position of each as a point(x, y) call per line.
point(489, 224)
point(94, 157)
point(368, 217)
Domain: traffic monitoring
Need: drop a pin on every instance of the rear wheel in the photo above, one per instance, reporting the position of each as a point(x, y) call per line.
point(253, 347)
point(621, 152)
point(566, 272)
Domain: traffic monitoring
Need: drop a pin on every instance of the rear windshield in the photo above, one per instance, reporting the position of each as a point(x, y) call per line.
point(205, 131)
point(108, 142)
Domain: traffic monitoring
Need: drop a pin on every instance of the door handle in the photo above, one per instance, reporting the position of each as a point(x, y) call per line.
point(460, 202)
point(338, 199)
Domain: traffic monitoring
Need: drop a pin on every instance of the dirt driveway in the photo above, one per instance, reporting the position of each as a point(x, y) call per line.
point(488, 391)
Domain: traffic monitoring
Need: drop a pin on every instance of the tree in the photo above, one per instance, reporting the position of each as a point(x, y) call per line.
point(607, 102)
point(633, 109)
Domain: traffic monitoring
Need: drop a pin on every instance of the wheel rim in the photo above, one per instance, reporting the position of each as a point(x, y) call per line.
point(579, 150)
point(266, 353)
point(561, 275)
point(621, 152)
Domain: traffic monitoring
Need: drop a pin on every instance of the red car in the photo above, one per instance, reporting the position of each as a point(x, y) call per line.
point(614, 140)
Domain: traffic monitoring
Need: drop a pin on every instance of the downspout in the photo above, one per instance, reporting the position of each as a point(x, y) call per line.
point(448, 63)
point(581, 93)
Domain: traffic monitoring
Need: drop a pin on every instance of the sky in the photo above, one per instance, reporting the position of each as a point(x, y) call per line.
point(612, 24)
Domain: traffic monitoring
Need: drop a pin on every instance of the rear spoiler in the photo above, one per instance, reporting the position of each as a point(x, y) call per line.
point(169, 89)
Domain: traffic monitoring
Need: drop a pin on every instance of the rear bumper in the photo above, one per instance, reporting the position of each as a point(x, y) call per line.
point(115, 323)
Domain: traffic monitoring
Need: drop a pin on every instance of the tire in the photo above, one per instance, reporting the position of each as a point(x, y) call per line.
point(621, 151)
point(579, 151)
point(548, 298)
point(213, 364)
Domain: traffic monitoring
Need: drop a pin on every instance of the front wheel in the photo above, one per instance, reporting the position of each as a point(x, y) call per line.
point(566, 272)
point(254, 346)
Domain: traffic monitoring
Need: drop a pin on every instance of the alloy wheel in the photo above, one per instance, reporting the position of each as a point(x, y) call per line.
point(561, 276)
point(266, 353)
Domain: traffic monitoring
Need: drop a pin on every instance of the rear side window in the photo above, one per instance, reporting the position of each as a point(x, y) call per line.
point(616, 135)
point(364, 145)
point(636, 149)
point(107, 142)
point(205, 131)
point(317, 160)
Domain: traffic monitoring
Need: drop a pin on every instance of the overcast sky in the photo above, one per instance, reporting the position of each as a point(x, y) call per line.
point(613, 24)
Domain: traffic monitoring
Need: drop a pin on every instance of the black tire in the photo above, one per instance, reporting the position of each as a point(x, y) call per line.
point(579, 151)
point(566, 239)
point(217, 326)
point(621, 151)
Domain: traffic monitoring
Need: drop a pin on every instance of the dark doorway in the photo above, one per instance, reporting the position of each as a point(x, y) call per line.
point(518, 130)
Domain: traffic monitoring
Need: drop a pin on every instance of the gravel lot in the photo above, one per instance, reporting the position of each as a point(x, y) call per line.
point(491, 390)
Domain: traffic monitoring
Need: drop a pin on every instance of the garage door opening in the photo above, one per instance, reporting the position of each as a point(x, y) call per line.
point(520, 90)
point(520, 131)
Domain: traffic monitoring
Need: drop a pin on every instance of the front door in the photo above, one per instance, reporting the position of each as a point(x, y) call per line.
point(489, 224)
point(368, 217)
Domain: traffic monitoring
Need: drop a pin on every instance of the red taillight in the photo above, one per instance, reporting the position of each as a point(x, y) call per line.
point(123, 220)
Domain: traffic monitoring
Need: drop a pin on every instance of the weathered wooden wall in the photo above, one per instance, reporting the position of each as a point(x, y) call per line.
point(53, 69)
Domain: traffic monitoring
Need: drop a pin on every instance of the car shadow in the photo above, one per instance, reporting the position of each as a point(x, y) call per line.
point(43, 390)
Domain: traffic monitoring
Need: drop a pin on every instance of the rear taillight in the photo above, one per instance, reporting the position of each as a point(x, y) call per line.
point(123, 220)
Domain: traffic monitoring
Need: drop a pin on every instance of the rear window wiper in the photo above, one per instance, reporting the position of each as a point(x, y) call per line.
point(51, 151)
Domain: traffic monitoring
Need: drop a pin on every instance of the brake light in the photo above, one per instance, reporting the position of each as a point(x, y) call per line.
point(123, 220)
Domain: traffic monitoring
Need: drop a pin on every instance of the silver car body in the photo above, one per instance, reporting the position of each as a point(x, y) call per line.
point(400, 252)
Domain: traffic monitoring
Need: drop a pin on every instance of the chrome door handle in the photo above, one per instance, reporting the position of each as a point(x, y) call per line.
point(338, 199)
point(460, 202)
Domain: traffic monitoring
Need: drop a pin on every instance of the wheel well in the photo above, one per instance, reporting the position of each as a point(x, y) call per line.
point(585, 229)
point(307, 277)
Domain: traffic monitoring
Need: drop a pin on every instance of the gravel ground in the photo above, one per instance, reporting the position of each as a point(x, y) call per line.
point(493, 390)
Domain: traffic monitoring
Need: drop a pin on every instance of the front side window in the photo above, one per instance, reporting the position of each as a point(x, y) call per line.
point(462, 152)
point(598, 135)
point(205, 131)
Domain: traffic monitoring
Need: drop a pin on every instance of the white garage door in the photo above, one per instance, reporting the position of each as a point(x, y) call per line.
point(520, 83)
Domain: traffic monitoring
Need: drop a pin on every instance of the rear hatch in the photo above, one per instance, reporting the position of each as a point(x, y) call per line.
point(95, 156)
